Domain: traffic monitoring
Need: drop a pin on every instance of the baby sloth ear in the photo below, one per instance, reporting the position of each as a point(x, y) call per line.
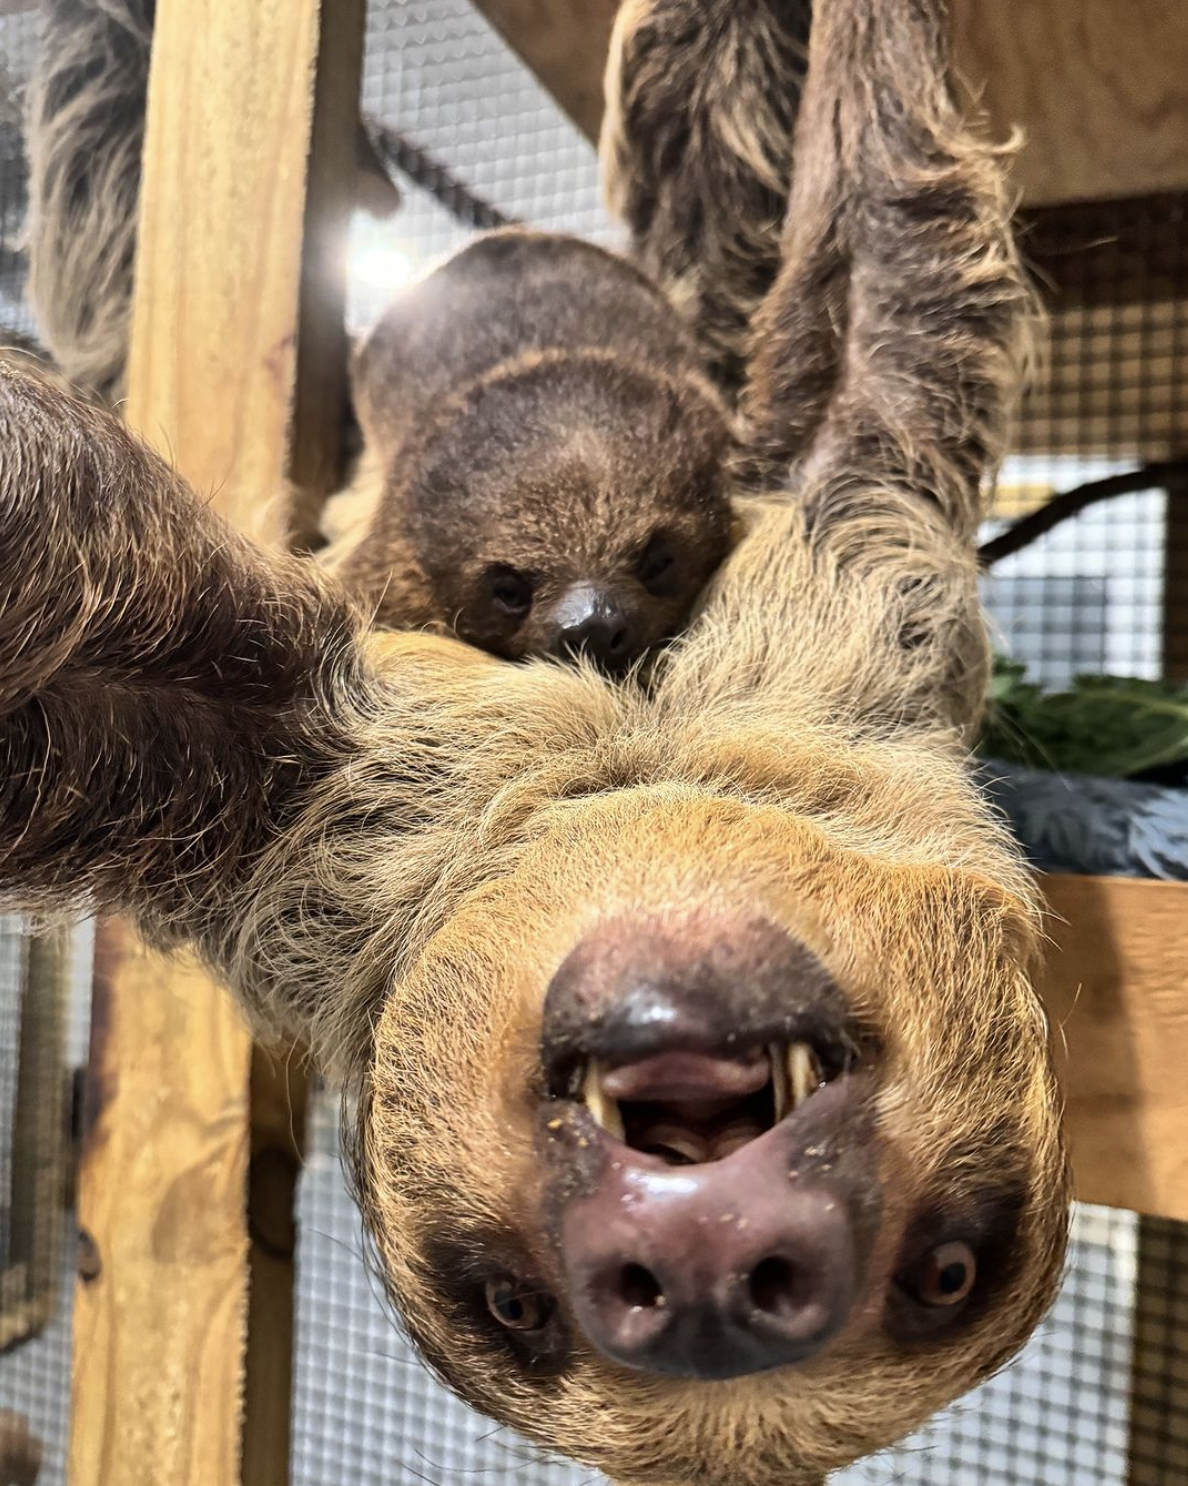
point(168, 693)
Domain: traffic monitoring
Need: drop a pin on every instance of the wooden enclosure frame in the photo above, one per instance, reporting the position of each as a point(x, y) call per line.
point(183, 1305)
point(183, 1310)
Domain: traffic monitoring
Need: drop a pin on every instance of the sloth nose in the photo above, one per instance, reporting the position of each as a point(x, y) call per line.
point(714, 1271)
point(717, 1206)
point(589, 620)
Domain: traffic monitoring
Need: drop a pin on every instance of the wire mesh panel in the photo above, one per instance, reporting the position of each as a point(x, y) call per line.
point(18, 44)
point(1159, 1394)
point(36, 1252)
point(438, 74)
point(1104, 591)
point(44, 1017)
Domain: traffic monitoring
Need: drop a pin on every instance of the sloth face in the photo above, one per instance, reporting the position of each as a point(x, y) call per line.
point(577, 507)
point(751, 1156)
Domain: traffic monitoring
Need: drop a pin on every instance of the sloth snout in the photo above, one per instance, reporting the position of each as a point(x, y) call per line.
point(719, 1175)
point(590, 620)
point(711, 1271)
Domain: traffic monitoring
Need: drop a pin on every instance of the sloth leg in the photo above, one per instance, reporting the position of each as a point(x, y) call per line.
point(890, 349)
point(702, 97)
point(85, 133)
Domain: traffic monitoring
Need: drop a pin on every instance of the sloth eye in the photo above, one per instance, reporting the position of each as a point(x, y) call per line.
point(656, 562)
point(516, 1306)
point(510, 590)
point(943, 1276)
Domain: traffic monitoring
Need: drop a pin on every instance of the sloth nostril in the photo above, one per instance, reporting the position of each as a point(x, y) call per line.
point(773, 1287)
point(617, 643)
point(639, 1288)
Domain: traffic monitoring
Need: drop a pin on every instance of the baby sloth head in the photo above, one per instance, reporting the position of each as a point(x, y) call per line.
point(594, 508)
point(550, 455)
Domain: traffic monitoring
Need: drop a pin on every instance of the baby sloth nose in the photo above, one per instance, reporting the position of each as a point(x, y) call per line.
point(710, 1272)
point(588, 619)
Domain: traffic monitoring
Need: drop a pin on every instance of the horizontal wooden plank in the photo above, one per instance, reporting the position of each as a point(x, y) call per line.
point(1099, 87)
point(1116, 987)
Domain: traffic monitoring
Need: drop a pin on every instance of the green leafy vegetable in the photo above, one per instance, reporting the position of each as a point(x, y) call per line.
point(1117, 726)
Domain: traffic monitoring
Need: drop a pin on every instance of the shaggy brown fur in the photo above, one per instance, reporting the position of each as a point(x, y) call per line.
point(84, 132)
point(698, 150)
point(542, 452)
point(390, 843)
point(85, 135)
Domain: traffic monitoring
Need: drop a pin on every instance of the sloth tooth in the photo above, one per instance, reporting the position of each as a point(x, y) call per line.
point(605, 1111)
point(804, 1072)
point(781, 1092)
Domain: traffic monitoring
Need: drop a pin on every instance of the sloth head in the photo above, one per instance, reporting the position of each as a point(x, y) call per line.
point(571, 505)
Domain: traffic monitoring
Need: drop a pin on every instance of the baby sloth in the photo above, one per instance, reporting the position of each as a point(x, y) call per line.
point(544, 460)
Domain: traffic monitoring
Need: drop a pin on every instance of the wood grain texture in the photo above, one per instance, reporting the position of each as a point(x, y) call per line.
point(279, 1097)
point(1099, 87)
point(237, 326)
point(1116, 987)
point(38, 1158)
point(160, 1305)
point(232, 186)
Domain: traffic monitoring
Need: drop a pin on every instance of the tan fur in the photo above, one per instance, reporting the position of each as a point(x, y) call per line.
point(389, 844)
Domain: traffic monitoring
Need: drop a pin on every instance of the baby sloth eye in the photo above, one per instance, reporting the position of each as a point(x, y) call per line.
point(516, 1306)
point(656, 563)
point(944, 1276)
point(510, 590)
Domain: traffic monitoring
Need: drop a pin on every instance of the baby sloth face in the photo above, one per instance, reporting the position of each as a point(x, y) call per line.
point(595, 508)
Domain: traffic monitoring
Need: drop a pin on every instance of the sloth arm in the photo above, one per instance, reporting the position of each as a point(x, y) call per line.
point(696, 148)
point(888, 355)
point(889, 352)
point(172, 698)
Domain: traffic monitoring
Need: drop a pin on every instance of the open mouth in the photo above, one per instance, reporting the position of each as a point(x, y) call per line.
point(687, 1108)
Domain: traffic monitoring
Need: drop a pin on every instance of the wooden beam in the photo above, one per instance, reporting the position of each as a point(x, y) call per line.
point(1116, 988)
point(565, 43)
point(38, 1157)
point(279, 1096)
point(236, 332)
point(1098, 86)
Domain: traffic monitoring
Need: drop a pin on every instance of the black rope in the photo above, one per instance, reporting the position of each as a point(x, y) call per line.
point(1170, 475)
point(430, 175)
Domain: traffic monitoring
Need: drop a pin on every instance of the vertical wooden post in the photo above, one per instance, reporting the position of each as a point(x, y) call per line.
point(29, 1275)
point(235, 372)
